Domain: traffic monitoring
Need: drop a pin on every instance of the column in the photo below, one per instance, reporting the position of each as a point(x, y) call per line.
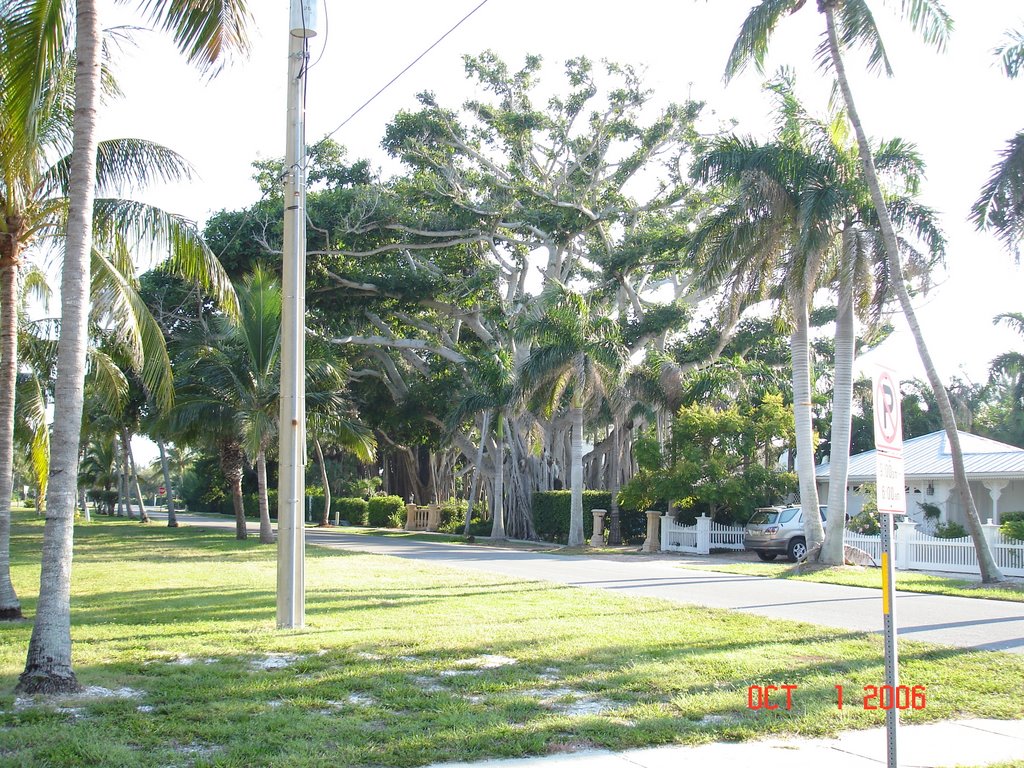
point(653, 541)
point(703, 535)
point(597, 539)
point(995, 490)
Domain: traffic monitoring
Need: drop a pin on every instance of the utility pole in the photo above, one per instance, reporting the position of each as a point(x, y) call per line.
point(291, 534)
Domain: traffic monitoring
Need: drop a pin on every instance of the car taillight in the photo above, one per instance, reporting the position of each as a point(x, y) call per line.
point(771, 530)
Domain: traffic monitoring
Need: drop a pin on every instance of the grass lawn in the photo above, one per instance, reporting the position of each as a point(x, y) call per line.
point(908, 581)
point(403, 664)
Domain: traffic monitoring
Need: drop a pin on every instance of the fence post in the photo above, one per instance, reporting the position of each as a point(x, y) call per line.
point(904, 530)
point(703, 535)
point(410, 517)
point(653, 541)
point(991, 531)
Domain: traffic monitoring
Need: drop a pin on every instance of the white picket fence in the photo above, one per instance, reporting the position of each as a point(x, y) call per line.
point(914, 550)
point(699, 539)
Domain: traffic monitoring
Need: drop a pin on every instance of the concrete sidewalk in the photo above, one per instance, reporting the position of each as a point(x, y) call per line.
point(955, 743)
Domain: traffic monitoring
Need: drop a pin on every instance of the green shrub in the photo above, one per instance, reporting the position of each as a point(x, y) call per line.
point(950, 531)
point(1011, 517)
point(386, 512)
point(453, 515)
point(931, 511)
point(551, 515)
point(105, 501)
point(864, 523)
point(352, 510)
point(1013, 529)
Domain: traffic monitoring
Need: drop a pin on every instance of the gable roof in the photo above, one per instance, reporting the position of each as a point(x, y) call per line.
point(928, 457)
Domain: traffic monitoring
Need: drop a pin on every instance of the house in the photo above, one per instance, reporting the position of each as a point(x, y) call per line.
point(995, 473)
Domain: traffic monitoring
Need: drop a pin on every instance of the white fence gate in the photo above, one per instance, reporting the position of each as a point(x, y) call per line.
point(699, 539)
point(914, 549)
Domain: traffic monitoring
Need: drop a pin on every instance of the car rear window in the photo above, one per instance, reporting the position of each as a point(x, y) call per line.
point(787, 515)
point(764, 517)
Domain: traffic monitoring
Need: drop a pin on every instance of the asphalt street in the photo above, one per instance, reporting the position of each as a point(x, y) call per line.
point(957, 621)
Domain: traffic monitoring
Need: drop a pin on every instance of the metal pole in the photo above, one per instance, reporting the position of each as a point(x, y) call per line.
point(892, 672)
point(291, 541)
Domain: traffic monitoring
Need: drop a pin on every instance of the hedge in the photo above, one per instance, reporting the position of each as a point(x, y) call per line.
point(352, 509)
point(386, 512)
point(551, 516)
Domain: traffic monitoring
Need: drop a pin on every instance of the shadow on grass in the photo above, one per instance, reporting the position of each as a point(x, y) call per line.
point(344, 708)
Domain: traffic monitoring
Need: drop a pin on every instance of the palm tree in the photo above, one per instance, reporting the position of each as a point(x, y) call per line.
point(771, 238)
point(36, 36)
point(848, 24)
point(230, 378)
point(577, 352)
point(1000, 207)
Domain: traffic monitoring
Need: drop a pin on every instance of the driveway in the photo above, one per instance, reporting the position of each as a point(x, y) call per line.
point(957, 621)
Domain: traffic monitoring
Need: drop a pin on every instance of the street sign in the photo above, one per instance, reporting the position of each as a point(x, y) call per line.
point(888, 412)
point(890, 485)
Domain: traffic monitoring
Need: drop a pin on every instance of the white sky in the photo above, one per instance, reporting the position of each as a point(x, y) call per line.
point(956, 106)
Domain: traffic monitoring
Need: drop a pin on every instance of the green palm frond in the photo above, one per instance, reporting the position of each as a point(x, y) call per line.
point(121, 165)
point(118, 305)
point(929, 19)
point(1001, 204)
point(1011, 52)
point(259, 297)
point(1014, 320)
point(31, 431)
point(208, 33)
point(755, 35)
point(107, 381)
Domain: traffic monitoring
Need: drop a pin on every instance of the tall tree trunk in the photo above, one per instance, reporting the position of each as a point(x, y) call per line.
point(48, 663)
point(576, 503)
point(126, 438)
point(124, 502)
point(84, 504)
point(477, 472)
point(832, 549)
point(990, 572)
point(325, 518)
point(165, 467)
point(800, 353)
point(10, 607)
point(231, 466)
point(614, 522)
point(266, 531)
point(498, 521)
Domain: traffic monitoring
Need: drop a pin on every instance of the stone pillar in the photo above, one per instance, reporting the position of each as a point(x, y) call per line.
point(433, 518)
point(597, 539)
point(653, 541)
point(901, 557)
point(703, 535)
point(995, 490)
point(410, 517)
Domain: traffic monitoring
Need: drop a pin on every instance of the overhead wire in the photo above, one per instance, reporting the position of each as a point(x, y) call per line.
point(305, 69)
point(409, 66)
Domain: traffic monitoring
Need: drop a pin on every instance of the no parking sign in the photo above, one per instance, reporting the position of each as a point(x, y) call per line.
point(889, 443)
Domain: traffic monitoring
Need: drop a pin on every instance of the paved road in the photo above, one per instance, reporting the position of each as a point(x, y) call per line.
point(957, 621)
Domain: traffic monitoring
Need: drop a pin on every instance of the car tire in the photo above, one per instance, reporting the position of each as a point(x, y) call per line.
point(797, 549)
point(766, 556)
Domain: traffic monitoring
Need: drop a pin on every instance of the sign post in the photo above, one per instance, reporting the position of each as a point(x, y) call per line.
point(892, 500)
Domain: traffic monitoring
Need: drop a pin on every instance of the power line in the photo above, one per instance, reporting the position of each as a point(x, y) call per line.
point(409, 66)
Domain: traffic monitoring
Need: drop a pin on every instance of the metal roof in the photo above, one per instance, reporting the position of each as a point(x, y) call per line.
point(928, 457)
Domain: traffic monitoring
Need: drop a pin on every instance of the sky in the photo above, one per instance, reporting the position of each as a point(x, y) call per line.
point(956, 106)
